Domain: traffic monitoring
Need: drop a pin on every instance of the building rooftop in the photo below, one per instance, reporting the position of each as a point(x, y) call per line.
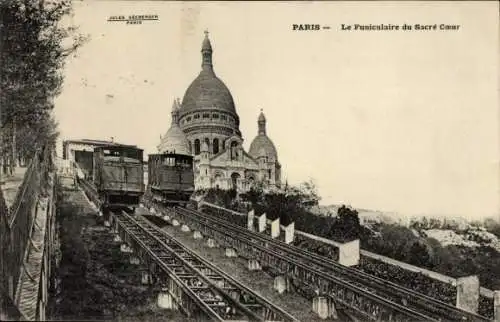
point(95, 142)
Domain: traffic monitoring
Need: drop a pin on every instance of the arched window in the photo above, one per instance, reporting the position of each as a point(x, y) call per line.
point(207, 141)
point(234, 178)
point(216, 146)
point(190, 147)
point(234, 153)
point(196, 146)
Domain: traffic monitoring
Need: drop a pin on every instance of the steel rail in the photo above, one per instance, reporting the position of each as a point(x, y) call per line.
point(161, 263)
point(150, 230)
point(429, 304)
point(216, 272)
point(354, 287)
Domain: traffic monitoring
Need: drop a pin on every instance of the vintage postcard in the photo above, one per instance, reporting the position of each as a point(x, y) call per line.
point(250, 161)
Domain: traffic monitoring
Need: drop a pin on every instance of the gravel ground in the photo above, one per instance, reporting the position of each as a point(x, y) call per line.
point(259, 281)
point(96, 280)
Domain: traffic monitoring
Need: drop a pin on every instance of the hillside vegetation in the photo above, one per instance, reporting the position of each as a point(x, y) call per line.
point(407, 244)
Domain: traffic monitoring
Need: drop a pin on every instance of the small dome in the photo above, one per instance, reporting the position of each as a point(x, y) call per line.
point(262, 145)
point(174, 141)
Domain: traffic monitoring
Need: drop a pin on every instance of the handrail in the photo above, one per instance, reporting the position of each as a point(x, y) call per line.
point(16, 224)
point(24, 186)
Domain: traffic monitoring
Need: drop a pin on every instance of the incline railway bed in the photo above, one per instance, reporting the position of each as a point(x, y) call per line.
point(428, 286)
point(94, 280)
point(260, 280)
point(407, 302)
point(215, 294)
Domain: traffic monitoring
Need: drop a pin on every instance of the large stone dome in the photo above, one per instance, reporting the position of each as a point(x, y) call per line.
point(207, 91)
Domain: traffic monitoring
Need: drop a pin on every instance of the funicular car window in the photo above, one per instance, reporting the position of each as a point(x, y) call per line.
point(169, 161)
point(184, 163)
point(111, 153)
point(126, 152)
point(133, 154)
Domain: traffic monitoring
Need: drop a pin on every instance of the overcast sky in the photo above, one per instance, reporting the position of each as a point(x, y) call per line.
point(392, 120)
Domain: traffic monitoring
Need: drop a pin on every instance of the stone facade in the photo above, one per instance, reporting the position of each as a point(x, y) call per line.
point(207, 116)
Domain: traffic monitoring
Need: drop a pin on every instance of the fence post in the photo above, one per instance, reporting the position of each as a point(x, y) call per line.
point(15, 230)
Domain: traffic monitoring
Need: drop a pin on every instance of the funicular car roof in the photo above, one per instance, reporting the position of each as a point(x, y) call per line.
point(118, 147)
point(121, 147)
point(165, 154)
point(112, 158)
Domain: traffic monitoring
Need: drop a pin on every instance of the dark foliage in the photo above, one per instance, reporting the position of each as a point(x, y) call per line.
point(415, 281)
point(457, 261)
point(393, 241)
point(347, 225)
point(32, 58)
point(291, 207)
point(323, 249)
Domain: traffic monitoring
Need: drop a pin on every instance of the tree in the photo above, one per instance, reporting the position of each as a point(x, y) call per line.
point(395, 241)
point(32, 56)
point(419, 254)
point(255, 194)
point(309, 192)
point(347, 226)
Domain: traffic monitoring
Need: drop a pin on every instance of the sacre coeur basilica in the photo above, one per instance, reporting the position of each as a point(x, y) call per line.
point(205, 124)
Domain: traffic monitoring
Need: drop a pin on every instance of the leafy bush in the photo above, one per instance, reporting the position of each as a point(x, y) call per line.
point(291, 205)
point(403, 244)
point(394, 241)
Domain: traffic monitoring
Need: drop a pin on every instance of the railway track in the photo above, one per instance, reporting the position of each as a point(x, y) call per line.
point(219, 296)
point(374, 308)
point(416, 305)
